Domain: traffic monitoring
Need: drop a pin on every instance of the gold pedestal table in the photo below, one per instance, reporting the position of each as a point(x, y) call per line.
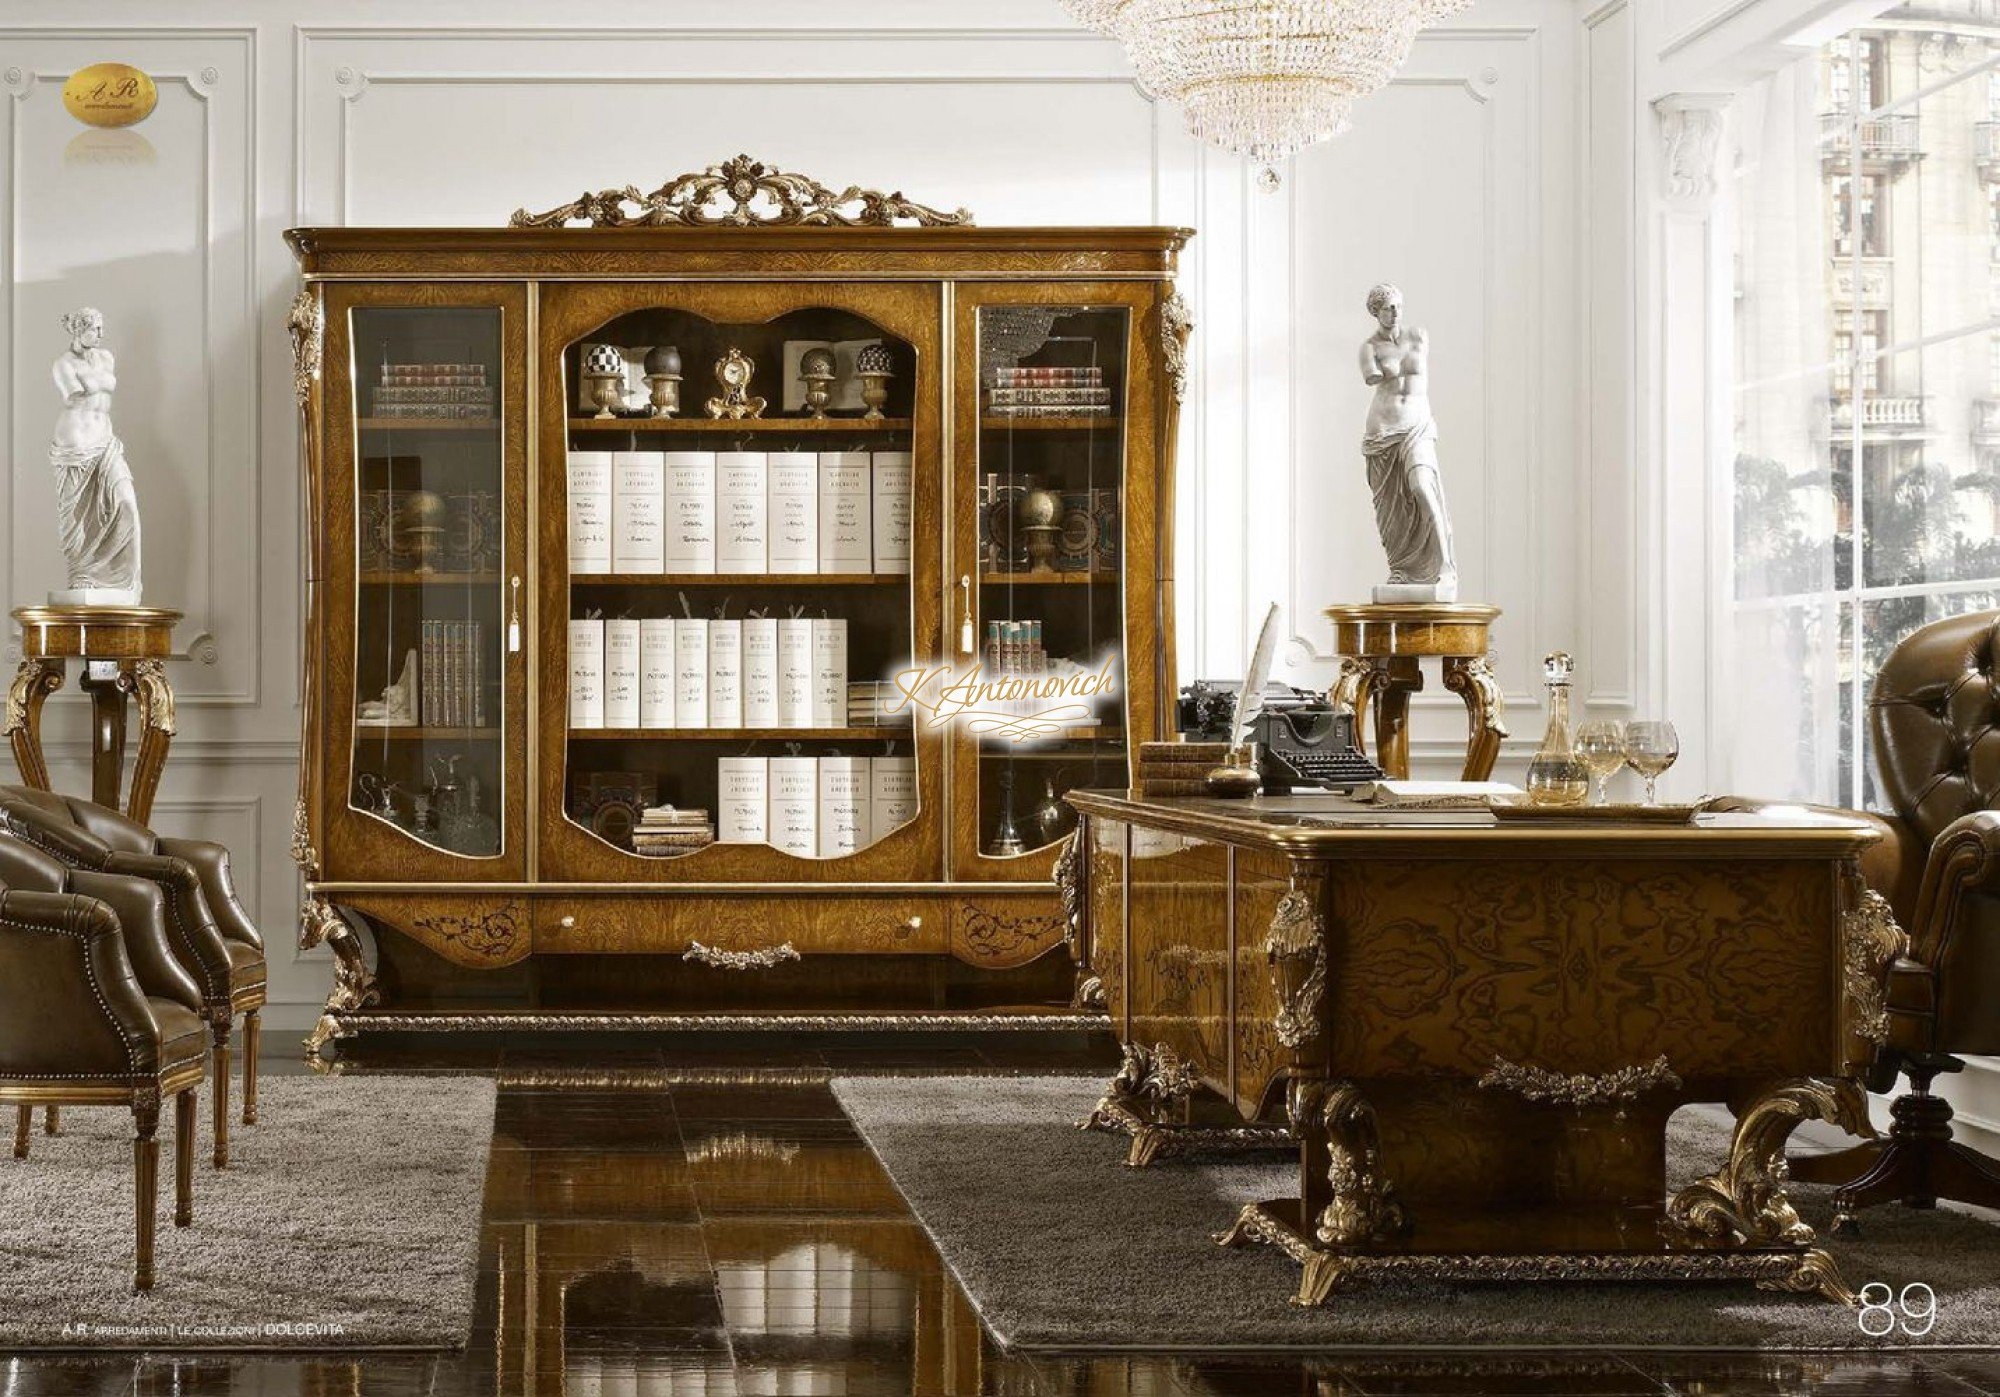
point(1379, 646)
point(123, 649)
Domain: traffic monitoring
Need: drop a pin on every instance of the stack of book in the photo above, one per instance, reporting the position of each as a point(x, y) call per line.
point(708, 673)
point(666, 832)
point(1176, 768)
point(814, 807)
point(451, 670)
point(875, 703)
point(434, 390)
point(1047, 392)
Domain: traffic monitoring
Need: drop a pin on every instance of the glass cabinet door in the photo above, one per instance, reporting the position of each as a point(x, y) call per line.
point(1048, 458)
point(427, 450)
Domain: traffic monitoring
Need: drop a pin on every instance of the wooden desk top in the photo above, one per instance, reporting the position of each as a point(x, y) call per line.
point(1330, 826)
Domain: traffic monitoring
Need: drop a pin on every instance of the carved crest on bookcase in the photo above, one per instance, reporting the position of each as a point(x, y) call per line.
point(742, 192)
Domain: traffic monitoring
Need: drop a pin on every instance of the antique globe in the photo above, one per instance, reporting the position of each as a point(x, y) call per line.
point(663, 361)
point(1038, 509)
point(816, 363)
point(604, 359)
point(875, 359)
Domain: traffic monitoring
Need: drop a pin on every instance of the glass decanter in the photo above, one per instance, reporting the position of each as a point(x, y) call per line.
point(1556, 774)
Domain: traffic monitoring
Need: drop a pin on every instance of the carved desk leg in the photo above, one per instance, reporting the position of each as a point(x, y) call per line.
point(33, 682)
point(1473, 680)
point(1745, 1202)
point(1147, 1096)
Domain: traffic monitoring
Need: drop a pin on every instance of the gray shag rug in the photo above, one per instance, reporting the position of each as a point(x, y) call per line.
point(1060, 1246)
point(348, 1219)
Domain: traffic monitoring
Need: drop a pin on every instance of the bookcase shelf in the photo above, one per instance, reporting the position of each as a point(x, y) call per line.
point(730, 427)
point(1104, 423)
point(429, 579)
point(429, 424)
point(1048, 579)
point(368, 732)
point(882, 734)
point(740, 579)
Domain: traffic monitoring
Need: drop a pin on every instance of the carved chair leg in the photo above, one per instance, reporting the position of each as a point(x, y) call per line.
point(52, 1121)
point(221, 1032)
point(252, 1024)
point(184, 1118)
point(24, 1127)
point(146, 1187)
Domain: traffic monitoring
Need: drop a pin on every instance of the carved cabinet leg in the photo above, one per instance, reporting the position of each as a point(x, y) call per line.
point(353, 983)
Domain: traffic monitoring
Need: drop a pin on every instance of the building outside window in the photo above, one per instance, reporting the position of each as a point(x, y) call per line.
point(1865, 486)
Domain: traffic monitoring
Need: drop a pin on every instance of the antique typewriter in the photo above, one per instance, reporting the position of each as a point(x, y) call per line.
point(1301, 741)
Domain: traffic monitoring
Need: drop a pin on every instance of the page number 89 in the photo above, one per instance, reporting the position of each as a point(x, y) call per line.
point(1914, 1311)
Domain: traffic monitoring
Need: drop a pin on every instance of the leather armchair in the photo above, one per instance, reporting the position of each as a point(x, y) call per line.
point(96, 1010)
point(1934, 716)
point(211, 934)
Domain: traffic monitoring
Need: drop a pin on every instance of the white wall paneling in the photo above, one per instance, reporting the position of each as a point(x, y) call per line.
point(1464, 182)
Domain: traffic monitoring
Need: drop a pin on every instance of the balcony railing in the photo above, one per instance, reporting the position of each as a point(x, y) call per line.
point(1882, 414)
point(1892, 136)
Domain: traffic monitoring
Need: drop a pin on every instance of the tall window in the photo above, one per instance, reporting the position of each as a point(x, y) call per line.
point(1865, 485)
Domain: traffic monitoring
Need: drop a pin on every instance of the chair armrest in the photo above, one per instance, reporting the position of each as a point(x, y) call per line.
point(141, 909)
point(211, 864)
point(58, 838)
point(69, 1003)
point(191, 931)
point(1893, 865)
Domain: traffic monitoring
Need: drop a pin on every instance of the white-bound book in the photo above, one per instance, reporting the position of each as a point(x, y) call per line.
point(793, 822)
point(890, 510)
point(586, 674)
point(742, 512)
point(846, 542)
point(829, 672)
point(690, 511)
point(742, 800)
point(792, 495)
point(638, 512)
point(892, 793)
point(691, 672)
point(760, 672)
point(621, 673)
point(656, 672)
point(590, 511)
point(795, 672)
point(843, 806)
point(725, 674)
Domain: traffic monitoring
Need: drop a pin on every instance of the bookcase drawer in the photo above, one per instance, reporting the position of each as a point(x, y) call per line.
point(670, 924)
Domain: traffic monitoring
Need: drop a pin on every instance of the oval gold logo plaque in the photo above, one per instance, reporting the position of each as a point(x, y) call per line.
point(110, 94)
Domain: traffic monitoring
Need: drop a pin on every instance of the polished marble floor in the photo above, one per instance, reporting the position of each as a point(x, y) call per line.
point(695, 1216)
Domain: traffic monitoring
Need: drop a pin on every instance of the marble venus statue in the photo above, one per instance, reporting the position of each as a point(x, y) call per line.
point(97, 509)
point(1400, 444)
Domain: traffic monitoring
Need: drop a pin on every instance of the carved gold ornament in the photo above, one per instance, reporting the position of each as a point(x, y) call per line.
point(304, 856)
point(1364, 1207)
point(306, 323)
point(1296, 949)
point(766, 958)
point(1476, 676)
point(34, 680)
point(1579, 1089)
point(1148, 1100)
point(1176, 324)
point(1069, 887)
point(1871, 940)
point(741, 192)
point(1745, 1201)
point(733, 372)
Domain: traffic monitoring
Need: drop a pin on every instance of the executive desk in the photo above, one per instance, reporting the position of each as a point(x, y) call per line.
point(1473, 1034)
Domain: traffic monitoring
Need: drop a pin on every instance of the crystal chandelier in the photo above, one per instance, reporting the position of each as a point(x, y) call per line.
point(1264, 78)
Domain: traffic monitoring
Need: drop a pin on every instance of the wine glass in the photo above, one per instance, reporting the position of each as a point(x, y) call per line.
point(1650, 748)
point(1602, 746)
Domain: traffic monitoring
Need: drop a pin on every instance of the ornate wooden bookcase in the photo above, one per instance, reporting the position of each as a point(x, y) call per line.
point(459, 869)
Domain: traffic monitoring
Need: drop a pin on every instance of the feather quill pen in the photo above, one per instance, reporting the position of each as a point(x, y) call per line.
point(1250, 698)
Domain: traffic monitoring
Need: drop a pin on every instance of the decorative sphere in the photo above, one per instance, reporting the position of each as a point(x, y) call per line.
point(1038, 509)
point(422, 509)
point(604, 359)
point(875, 359)
point(816, 363)
point(663, 360)
point(1269, 180)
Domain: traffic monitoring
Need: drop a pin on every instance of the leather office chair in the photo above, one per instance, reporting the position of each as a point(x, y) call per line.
point(95, 1010)
point(211, 933)
point(1935, 719)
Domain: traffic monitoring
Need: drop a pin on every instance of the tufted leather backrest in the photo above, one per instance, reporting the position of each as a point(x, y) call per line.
point(1935, 718)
